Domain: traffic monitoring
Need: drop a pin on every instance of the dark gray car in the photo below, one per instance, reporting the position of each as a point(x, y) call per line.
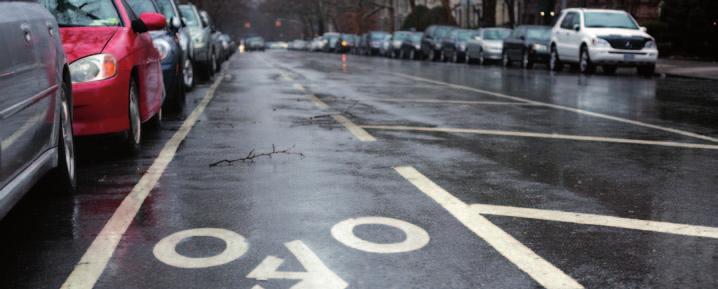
point(35, 103)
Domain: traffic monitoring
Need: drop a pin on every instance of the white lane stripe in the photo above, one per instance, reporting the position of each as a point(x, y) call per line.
point(597, 220)
point(543, 135)
point(357, 131)
point(318, 102)
point(441, 101)
point(300, 87)
point(566, 108)
point(524, 258)
point(95, 259)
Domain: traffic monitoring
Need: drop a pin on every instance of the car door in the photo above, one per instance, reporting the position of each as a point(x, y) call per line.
point(563, 35)
point(572, 37)
point(26, 105)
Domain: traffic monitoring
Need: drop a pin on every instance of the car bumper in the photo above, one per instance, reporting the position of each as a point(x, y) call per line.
point(493, 54)
point(101, 107)
point(624, 57)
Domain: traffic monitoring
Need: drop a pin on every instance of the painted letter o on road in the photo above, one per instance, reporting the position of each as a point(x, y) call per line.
point(166, 249)
point(416, 237)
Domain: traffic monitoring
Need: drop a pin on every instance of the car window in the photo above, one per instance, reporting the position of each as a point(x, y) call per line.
point(70, 13)
point(166, 8)
point(142, 6)
point(609, 20)
point(465, 35)
point(538, 33)
point(496, 34)
point(189, 17)
point(567, 22)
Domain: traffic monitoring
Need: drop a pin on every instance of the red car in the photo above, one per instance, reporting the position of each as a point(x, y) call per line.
point(116, 74)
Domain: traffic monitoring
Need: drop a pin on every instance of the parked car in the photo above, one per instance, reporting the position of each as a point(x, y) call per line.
point(170, 9)
point(315, 44)
point(346, 43)
point(35, 104)
point(330, 42)
point(397, 39)
point(528, 44)
point(486, 45)
point(453, 46)
point(373, 42)
point(411, 46)
point(255, 44)
point(226, 42)
point(204, 50)
point(216, 37)
point(171, 56)
point(432, 40)
point(115, 68)
point(609, 38)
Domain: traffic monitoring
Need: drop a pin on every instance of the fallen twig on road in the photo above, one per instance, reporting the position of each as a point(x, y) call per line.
point(251, 156)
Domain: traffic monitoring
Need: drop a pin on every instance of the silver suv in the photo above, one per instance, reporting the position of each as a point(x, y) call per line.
point(609, 38)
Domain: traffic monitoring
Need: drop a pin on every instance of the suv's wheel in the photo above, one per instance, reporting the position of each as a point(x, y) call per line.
point(133, 136)
point(585, 65)
point(554, 62)
point(188, 74)
point(64, 174)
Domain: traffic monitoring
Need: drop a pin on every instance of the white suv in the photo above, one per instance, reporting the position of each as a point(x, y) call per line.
point(610, 38)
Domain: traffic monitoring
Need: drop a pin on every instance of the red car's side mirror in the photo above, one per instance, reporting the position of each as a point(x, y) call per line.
point(152, 21)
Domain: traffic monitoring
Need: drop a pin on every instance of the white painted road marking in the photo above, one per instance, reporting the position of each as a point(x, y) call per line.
point(317, 274)
point(300, 87)
point(416, 237)
point(318, 102)
point(95, 259)
point(446, 101)
point(543, 135)
point(357, 131)
point(166, 249)
point(597, 220)
point(524, 258)
point(561, 107)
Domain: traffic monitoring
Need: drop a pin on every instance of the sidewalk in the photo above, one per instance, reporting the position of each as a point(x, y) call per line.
point(688, 68)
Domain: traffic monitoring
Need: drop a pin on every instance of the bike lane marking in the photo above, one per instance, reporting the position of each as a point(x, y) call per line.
point(90, 267)
point(517, 253)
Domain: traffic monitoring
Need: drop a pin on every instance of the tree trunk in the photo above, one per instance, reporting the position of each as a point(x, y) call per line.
point(488, 18)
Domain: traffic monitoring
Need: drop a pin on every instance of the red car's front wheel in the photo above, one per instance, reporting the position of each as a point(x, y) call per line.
point(134, 132)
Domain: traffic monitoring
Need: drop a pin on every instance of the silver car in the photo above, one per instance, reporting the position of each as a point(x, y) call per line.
point(35, 103)
point(487, 45)
point(204, 52)
point(171, 10)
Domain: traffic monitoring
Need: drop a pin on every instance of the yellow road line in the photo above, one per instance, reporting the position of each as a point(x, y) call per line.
point(357, 131)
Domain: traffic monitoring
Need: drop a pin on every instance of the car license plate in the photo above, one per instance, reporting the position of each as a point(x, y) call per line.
point(629, 57)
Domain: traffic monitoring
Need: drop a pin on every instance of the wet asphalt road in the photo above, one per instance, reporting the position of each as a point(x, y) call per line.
point(419, 143)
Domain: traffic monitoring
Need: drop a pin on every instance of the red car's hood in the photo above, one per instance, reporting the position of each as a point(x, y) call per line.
point(84, 41)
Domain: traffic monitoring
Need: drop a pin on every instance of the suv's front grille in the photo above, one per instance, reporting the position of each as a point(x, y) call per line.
point(626, 43)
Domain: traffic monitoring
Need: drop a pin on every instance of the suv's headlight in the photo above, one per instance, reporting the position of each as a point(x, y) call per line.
point(163, 47)
point(650, 44)
point(600, 42)
point(93, 68)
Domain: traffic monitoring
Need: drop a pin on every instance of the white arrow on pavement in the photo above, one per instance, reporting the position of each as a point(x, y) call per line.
point(316, 276)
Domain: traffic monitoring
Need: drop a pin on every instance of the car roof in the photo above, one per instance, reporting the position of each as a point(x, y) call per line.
point(594, 10)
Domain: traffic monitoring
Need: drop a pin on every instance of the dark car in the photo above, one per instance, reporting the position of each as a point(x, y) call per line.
point(167, 44)
point(411, 46)
point(36, 134)
point(528, 44)
point(346, 43)
point(330, 42)
point(373, 42)
point(397, 39)
point(453, 47)
point(432, 41)
point(170, 8)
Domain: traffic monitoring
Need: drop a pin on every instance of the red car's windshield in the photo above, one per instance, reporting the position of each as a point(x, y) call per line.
point(71, 13)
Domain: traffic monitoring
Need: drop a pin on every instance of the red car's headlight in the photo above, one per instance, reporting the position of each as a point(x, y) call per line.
point(93, 68)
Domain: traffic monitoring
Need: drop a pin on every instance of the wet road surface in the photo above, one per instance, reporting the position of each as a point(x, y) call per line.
point(378, 173)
